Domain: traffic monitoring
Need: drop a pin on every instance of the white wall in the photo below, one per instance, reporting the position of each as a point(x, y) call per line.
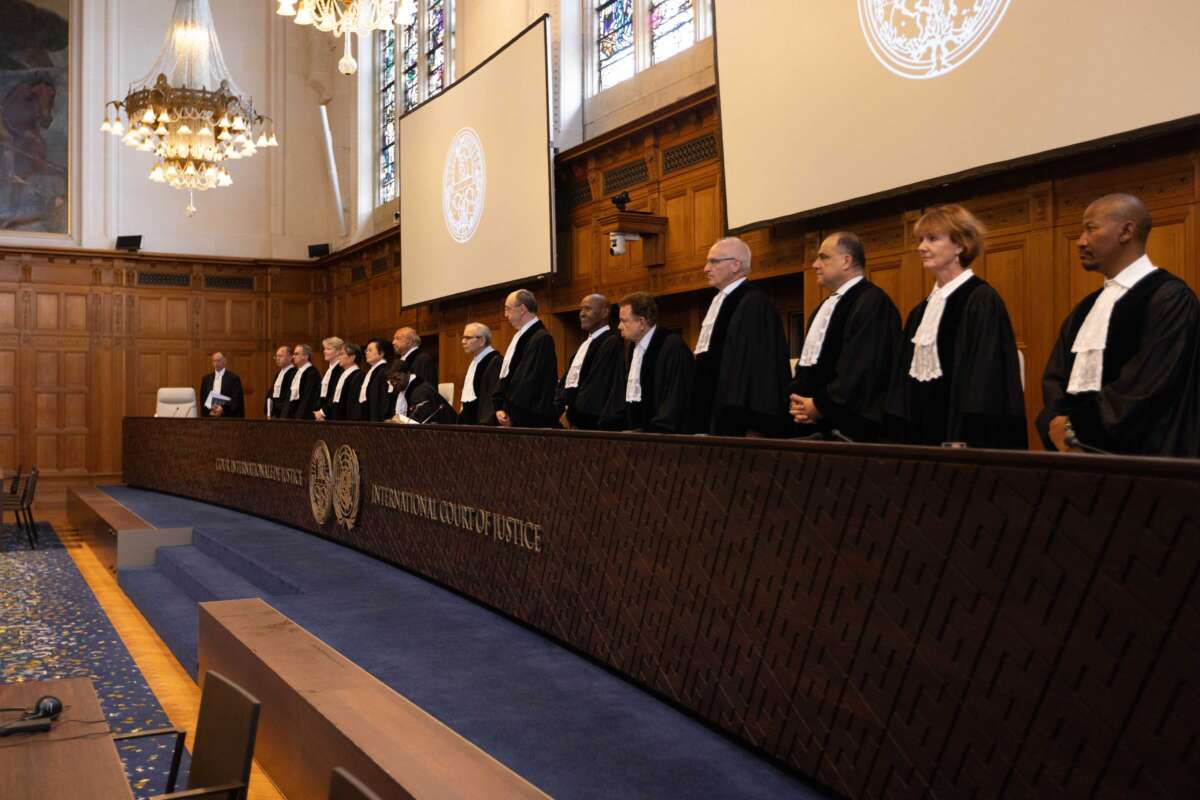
point(279, 201)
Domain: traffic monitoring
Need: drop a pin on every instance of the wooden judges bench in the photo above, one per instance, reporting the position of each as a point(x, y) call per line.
point(890, 621)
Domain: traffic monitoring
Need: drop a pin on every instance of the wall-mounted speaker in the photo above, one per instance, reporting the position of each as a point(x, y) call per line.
point(130, 243)
point(318, 250)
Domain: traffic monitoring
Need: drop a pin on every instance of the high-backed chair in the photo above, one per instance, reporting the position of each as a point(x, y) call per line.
point(224, 747)
point(176, 401)
point(21, 504)
point(446, 390)
point(344, 786)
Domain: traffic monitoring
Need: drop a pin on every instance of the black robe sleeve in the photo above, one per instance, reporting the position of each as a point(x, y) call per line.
point(987, 403)
point(585, 405)
point(380, 402)
point(751, 391)
point(614, 416)
point(326, 403)
point(310, 390)
point(1152, 407)
point(231, 387)
point(529, 401)
point(673, 376)
point(424, 367)
point(279, 406)
point(348, 407)
point(852, 402)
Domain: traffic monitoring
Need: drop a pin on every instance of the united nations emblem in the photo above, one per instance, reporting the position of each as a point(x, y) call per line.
point(464, 185)
point(320, 482)
point(922, 39)
point(347, 495)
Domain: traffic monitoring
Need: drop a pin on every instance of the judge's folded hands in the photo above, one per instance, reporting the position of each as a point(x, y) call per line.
point(503, 419)
point(1060, 427)
point(803, 409)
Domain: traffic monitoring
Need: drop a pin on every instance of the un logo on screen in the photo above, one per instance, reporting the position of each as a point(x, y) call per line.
point(464, 184)
point(922, 39)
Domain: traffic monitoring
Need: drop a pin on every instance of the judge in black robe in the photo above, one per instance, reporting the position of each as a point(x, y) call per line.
point(329, 382)
point(276, 406)
point(421, 401)
point(586, 384)
point(306, 385)
point(344, 403)
point(416, 359)
point(483, 376)
point(846, 386)
point(525, 396)
point(742, 374)
point(1148, 398)
point(664, 374)
point(978, 398)
point(374, 402)
point(230, 386)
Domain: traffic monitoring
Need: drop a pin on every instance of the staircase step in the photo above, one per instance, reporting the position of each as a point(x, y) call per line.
point(172, 614)
point(202, 577)
point(213, 543)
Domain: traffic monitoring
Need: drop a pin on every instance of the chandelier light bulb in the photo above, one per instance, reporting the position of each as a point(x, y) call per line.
point(304, 15)
point(262, 141)
point(287, 8)
point(106, 126)
point(184, 130)
point(347, 65)
point(117, 128)
point(164, 116)
point(273, 142)
point(157, 174)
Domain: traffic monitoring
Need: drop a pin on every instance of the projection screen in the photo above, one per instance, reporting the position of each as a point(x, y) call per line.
point(829, 101)
point(476, 203)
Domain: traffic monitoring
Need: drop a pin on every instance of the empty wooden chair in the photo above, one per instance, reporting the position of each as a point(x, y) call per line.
point(224, 747)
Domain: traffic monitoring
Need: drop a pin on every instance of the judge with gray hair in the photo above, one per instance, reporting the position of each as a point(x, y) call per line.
point(483, 376)
point(524, 397)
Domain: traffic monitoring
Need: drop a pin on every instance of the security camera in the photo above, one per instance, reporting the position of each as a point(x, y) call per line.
point(617, 240)
point(396, 216)
point(616, 244)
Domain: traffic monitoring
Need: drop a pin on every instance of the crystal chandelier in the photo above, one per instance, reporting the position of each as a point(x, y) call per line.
point(344, 17)
point(188, 111)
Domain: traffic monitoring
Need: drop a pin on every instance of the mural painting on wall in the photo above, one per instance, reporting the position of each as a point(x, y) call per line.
point(34, 127)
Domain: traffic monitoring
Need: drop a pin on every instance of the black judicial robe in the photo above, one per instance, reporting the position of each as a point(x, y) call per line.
point(1149, 398)
point(279, 406)
point(379, 402)
point(667, 376)
point(527, 394)
point(421, 364)
point(425, 404)
point(849, 382)
point(487, 378)
point(347, 408)
point(584, 404)
point(741, 383)
point(231, 387)
point(310, 391)
point(326, 403)
point(978, 399)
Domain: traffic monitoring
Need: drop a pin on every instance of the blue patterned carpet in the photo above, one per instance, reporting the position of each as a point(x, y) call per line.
point(51, 626)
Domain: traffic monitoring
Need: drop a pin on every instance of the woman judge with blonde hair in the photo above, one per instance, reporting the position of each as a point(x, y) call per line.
point(959, 376)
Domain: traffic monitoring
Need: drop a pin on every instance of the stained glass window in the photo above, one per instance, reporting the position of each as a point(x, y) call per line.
point(387, 116)
point(614, 41)
point(415, 63)
point(672, 28)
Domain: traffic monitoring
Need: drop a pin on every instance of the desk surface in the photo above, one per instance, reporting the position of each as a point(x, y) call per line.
point(75, 758)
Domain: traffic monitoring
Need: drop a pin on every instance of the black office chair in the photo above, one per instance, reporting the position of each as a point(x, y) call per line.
point(224, 747)
point(21, 504)
point(344, 786)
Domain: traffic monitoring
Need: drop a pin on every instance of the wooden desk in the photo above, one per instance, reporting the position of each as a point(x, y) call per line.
point(75, 758)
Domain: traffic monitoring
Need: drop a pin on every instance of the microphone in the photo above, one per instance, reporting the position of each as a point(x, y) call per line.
point(839, 435)
point(1073, 441)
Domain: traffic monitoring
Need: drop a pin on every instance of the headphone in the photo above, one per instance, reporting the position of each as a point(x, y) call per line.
point(46, 707)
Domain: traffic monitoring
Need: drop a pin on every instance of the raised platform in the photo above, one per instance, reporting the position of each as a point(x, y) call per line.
point(567, 726)
point(887, 620)
point(118, 537)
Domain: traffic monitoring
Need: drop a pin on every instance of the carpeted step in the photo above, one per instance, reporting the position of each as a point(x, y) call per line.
point(202, 577)
point(217, 546)
point(171, 613)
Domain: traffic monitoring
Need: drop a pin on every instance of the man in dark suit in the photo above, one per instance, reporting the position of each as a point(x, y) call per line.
point(483, 376)
point(223, 382)
point(277, 398)
point(529, 372)
point(653, 392)
point(306, 385)
point(413, 357)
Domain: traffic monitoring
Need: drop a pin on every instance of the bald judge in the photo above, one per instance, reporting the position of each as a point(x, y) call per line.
point(1124, 375)
point(413, 357)
point(741, 380)
point(529, 371)
point(584, 388)
point(277, 398)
